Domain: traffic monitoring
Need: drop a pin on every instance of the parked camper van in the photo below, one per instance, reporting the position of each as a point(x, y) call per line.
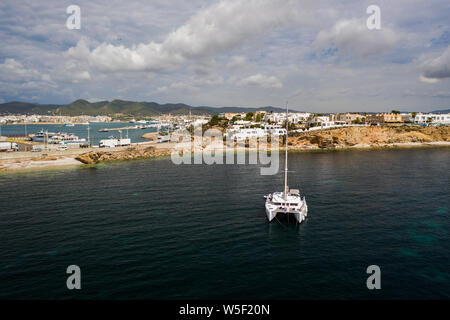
point(8, 146)
point(164, 138)
point(112, 143)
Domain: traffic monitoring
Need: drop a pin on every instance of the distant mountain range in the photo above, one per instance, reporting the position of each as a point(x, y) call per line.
point(131, 108)
point(441, 111)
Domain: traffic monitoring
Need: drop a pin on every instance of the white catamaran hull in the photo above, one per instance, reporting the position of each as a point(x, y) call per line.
point(299, 212)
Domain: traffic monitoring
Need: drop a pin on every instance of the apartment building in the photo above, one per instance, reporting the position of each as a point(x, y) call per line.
point(434, 118)
point(384, 118)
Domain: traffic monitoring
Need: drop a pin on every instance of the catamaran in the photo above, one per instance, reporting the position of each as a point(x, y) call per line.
point(289, 201)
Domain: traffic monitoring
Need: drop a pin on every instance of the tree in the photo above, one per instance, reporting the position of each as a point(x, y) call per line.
point(258, 117)
point(224, 122)
point(249, 116)
point(214, 120)
point(291, 126)
point(395, 112)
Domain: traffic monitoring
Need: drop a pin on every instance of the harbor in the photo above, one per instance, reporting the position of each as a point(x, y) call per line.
point(55, 157)
point(18, 131)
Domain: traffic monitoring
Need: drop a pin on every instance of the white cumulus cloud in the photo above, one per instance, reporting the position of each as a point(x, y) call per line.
point(212, 30)
point(13, 70)
point(437, 68)
point(353, 37)
point(237, 62)
point(261, 80)
point(80, 76)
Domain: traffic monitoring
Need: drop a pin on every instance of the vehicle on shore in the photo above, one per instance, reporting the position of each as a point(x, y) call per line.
point(8, 146)
point(113, 142)
point(163, 137)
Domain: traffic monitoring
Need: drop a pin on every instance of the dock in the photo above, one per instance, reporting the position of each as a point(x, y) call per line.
point(117, 129)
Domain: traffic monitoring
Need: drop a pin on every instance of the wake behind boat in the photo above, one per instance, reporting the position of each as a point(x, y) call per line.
point(288, 201)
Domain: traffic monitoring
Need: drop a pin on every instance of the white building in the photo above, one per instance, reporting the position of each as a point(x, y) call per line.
point(320, 121)
point(199, 122)
point(277, 131)
point(407, 117)
point(299, 117)
point(433, 118)
point(32, 119)
point(281, 117)
point(246, 133)
point(242, 123)
point(269, 126)
point(325, 122)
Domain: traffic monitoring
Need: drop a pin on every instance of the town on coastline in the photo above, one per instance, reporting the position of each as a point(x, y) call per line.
point(306, 131)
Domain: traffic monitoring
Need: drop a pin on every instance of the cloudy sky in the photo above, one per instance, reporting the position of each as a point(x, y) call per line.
point(318, 54)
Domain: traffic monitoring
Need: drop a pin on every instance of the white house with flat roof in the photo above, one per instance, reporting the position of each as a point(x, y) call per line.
point(299, 117)
point(244, 133)
point(280, 117)
point(433, 118)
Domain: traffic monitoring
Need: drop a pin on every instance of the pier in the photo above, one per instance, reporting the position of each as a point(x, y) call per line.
point(117, 129)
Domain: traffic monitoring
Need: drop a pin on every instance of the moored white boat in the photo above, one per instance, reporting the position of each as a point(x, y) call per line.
point(291, 204)
point(288, 201)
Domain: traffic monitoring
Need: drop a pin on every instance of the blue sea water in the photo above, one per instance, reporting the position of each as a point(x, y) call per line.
point(149, 229)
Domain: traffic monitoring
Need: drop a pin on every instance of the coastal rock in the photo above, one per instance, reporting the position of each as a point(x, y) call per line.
point(138, 152)
point(371, 136)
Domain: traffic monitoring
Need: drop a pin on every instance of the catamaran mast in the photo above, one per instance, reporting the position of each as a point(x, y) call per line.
point(89, 136)
point(286, 188)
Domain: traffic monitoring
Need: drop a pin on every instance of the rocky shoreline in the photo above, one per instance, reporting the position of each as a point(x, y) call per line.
point(369, 137)
point(342, 139)
point(131, 153)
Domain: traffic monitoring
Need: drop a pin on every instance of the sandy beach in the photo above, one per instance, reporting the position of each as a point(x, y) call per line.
point(31, 164)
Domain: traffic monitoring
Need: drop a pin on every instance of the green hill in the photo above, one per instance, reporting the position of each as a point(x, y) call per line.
point(129, 108)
